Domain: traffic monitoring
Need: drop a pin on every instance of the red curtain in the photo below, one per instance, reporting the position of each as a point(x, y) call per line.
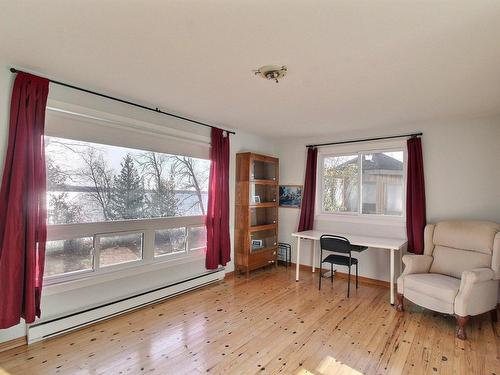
point(217, 221)
point(23, 227)
point(415, 197)
point(309, 194)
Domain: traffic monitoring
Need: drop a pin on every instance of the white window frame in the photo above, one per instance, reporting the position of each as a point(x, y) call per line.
point(322, 184)
point(358, 149)
point(180, 254)
point(175, 253)
point(109, 228)
point(130, 133)
point(96, 251)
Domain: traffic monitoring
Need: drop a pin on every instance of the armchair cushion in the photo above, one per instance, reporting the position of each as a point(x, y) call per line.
point(452, 261)
point(416, 264)
point(413, 264)
point(434, 291)
point(428, 243)
point(475, 236)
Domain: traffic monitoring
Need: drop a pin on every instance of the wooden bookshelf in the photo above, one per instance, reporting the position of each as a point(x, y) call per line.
point(256, 216)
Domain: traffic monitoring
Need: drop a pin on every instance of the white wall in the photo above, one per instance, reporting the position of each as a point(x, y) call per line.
point(462, 178)
point(60, 302)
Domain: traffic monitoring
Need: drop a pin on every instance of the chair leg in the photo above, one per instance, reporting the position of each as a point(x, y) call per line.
point(356, 275)
point(494, 315)
point(462, 321)
point(320, 272)
point(399, 302)
point(331, 272)
point(349, 282)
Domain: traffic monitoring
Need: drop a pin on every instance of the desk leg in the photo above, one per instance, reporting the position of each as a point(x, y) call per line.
point(392, 277)
point(297, 261)
point(313, 249)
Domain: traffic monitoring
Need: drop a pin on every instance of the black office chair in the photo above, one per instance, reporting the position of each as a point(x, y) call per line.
point(338, 244)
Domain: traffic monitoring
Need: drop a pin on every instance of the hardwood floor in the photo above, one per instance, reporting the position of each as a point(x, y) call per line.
point(269, 324)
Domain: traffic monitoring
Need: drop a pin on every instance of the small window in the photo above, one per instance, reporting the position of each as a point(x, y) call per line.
point(68, 256)
point(393, 197)
point(341, 183)
point(119, 248)
point(197, 238)
point(170, 241)
point(382, 183)
point(364, 183)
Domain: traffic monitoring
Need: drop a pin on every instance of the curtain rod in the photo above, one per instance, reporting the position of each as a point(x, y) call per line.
point(366, 140)
point(156, 110)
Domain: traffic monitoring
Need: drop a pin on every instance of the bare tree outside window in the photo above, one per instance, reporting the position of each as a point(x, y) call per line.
point(154, 167)
point(96, 172)
point(63, 209)
point(89, 183)
point(341, 181)
point(192, 175)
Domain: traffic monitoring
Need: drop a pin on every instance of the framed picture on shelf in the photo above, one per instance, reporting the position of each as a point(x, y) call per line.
point(257, 244)
point(290, 196)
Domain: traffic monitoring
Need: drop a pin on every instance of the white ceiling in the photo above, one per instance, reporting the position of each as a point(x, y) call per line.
point(351, 64)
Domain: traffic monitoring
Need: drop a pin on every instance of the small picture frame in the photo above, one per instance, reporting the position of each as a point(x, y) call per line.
point(256, 198)
point(290, 196)
point(257, 244)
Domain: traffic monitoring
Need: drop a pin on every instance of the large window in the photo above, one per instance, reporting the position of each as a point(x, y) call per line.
point(363, 183)
point(111, 207)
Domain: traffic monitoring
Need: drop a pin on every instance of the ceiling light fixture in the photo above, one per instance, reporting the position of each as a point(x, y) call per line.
point(271, 72)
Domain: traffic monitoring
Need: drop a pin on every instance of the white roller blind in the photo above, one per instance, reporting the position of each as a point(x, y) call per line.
point(73, 122)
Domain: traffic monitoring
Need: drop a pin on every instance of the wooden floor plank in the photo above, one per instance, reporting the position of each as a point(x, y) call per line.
point(268, 324)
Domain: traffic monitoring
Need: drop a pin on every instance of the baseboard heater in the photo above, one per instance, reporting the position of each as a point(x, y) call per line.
point(64, 324)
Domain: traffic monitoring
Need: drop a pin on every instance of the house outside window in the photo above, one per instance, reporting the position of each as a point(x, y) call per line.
point(362, 182)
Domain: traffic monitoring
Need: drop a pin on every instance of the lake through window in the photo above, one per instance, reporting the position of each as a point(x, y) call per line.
point(139, 192)
point(90, 182)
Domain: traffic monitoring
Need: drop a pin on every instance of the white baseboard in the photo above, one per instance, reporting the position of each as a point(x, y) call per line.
point(53, 327)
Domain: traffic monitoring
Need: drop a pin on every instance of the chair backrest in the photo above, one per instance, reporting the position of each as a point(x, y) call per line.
point(458, 246)
point(338, 244)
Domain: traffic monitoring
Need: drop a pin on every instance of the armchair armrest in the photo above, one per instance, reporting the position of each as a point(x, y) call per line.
point(417, 264)
point(476, 275)
point(478, 292)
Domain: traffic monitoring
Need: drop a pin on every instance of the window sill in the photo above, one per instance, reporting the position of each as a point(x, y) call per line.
point(89, 279)
point(363, 219)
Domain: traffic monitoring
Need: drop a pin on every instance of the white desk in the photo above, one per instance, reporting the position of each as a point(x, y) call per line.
point(392, 244)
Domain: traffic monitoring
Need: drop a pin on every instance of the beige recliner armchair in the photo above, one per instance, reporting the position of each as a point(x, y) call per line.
point(458, 272)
